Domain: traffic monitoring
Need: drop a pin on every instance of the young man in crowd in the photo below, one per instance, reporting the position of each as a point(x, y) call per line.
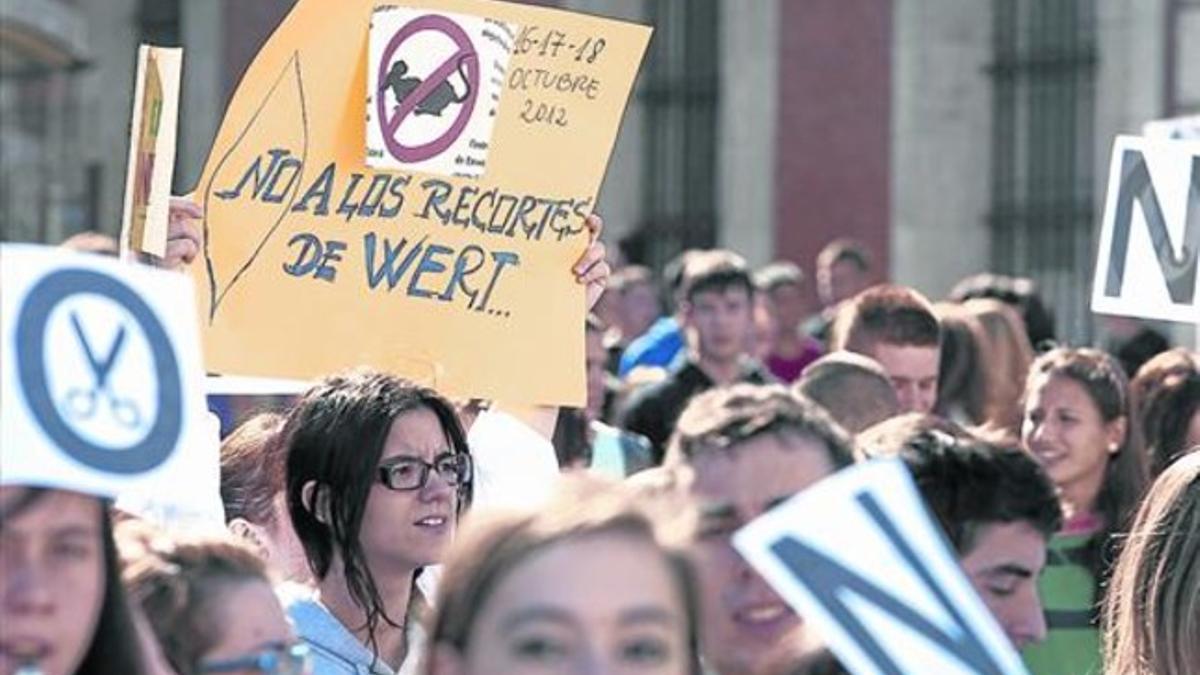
point(663, 341)
point(634, 308)
point(788, 351)
point(854, 389)
point(896, 326)
point(749, 448)
point(717, 315)
point(843, 271)
point(998, 509)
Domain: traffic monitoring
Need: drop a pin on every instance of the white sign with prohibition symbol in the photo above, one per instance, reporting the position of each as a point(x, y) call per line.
point(101, 375)
point(434, 83)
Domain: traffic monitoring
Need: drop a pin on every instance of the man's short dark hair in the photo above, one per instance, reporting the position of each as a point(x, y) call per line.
point(969, 484)
point(889, 437)
point(675, 272)
point(1021, 293)
point(777, 275)
point(886, 314)
point(722, 418)
point(715, 271)
point(844, 250)
point(854, 389)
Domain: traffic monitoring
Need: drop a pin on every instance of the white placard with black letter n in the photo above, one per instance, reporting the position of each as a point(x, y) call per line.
point(860, 559)
point(101, 379)
point(1150, 236)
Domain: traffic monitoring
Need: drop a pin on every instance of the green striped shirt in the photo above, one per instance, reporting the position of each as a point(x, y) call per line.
point(1068, 592)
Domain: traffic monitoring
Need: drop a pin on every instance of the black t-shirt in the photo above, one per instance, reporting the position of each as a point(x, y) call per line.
point(653, 411)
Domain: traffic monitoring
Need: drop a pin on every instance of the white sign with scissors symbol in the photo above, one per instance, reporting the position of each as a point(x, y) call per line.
point(102, 377)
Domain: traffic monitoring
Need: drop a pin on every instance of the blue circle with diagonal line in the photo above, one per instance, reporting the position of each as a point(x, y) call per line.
point(32, 322)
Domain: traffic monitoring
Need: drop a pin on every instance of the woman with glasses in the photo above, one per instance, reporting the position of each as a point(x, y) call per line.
point(211, 605)
point(377, 474)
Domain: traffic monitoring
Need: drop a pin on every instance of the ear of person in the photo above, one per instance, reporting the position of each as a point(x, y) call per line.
point(252, 534)
point(1116, 434)
point(316, 501)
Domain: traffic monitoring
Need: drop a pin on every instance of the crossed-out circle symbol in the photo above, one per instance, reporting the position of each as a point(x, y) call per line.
point(389, 124)
point(32, 322)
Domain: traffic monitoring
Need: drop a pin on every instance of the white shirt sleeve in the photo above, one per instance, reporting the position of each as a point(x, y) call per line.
point(515, 467)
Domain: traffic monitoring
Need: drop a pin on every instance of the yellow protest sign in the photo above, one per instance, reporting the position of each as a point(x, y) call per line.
point(405, 187)
point(151, 150)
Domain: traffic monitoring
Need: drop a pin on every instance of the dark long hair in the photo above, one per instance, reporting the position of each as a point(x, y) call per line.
point(335, 438)
point(1104, 380)
point(1165, 395)
point(115, 647)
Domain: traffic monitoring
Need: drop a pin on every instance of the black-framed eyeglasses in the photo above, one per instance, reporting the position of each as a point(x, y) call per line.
point(280, 659)
point(411, 473)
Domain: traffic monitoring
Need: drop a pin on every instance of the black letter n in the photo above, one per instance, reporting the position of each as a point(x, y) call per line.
point(1178, 271)
point(831, 583)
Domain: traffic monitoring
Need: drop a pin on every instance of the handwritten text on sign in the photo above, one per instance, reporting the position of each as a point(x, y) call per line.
point(417, 265)
point(441, 249)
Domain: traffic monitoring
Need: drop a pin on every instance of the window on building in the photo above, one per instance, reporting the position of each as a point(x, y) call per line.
point(678, 94)
point(1181, 90)
point(1042, 217)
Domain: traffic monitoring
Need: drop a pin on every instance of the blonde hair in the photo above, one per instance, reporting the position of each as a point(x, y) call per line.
point(1152, 613)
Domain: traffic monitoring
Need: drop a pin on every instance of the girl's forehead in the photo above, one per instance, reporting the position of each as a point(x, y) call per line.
point(47, 510)
point(417, 433)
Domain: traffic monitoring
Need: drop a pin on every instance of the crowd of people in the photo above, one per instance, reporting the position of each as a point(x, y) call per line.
point(377, 527)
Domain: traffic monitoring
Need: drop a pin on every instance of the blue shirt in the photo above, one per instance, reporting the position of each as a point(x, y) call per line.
point(658, 346)
point(333, 649)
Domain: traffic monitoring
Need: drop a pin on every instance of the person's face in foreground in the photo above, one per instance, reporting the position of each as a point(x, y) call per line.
point(746, 627)
point(406, 529)
point(250, 622)
point(52, 580)
point(602, 603)
point(913, 371)
point(1003, 566)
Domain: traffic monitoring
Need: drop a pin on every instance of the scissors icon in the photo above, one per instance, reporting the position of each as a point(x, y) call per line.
point(83, 403)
